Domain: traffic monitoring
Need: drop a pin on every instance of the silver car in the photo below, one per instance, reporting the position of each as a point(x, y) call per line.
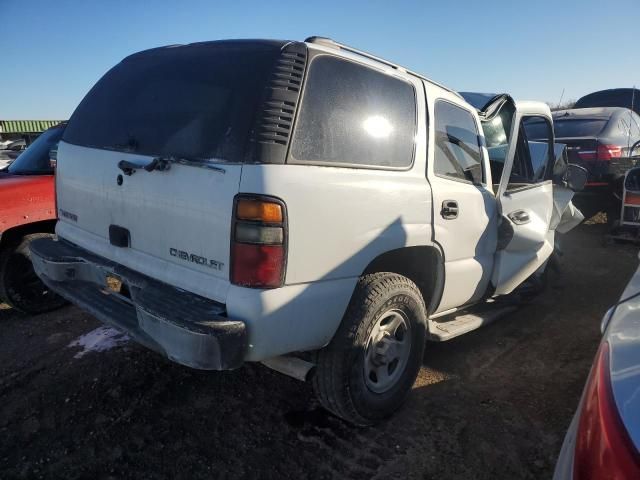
point(603, 441)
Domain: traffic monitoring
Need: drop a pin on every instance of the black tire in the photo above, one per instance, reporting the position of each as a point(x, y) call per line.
point(339, 380)
point(20, 287)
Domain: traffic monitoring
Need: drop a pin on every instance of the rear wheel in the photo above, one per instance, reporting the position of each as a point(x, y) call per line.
point(20, 287)
point(368, 369)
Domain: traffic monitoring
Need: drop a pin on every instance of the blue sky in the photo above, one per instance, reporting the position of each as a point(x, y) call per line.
point(53, 51)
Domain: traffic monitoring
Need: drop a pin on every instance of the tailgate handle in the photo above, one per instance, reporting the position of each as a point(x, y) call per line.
point(129, 168)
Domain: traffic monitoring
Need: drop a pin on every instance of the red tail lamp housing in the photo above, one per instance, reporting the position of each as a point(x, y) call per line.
point(603, 447)
point(258, 241)
point(603, 152)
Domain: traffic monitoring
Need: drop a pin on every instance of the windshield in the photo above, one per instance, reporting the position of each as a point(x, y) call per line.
point(195, 101)
point(35, 159)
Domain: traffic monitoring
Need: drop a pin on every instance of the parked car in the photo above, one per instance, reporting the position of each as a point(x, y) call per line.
point(324, 211)
point(615, 97)
point(603, 440)
point(11, 151)
point(5, 160)
point(599, 139)
point(27, 212)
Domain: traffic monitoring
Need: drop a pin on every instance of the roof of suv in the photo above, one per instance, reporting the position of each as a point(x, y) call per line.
point(314, 41)
point(275, 44)
point(333, 45)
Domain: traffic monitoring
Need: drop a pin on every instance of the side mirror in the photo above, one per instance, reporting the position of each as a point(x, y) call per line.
point(575, 177)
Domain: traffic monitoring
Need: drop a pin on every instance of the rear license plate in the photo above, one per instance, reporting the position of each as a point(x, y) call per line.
point(114, 284)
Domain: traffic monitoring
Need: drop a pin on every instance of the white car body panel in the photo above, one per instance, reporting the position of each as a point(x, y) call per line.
point(468, 241)
point(533, 241)
point(185, 208)
point(565, 215)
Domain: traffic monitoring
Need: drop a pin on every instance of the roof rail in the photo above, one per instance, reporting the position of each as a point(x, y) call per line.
point(333, 44)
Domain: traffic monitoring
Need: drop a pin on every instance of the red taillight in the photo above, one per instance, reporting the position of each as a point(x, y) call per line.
point(607, 152)
point(258, 247)
point(257, 265)
point(603, 152)
point(603, 447)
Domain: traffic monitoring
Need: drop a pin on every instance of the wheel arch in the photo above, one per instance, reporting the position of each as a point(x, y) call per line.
point(12, 235)
point(423, 265)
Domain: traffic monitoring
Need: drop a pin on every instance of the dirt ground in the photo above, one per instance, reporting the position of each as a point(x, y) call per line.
point(493, 404)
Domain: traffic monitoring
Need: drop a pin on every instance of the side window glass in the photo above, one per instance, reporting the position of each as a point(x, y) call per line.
point(623, 126)
point(354, 115)
point(497, 133)
point(457, 151)
point(533, 153)
point(635, 125)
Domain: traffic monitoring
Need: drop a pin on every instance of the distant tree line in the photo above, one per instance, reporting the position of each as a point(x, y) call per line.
point(561, 106)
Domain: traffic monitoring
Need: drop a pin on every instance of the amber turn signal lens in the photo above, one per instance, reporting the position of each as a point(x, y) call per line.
point(258, 211)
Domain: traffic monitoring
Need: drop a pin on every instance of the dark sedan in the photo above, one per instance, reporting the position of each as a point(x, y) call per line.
point(604, 140)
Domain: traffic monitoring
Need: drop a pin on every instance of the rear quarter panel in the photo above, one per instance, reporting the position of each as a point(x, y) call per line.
point(340, 219)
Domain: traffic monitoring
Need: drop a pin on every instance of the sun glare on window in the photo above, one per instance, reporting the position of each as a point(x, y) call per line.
point(377, 126)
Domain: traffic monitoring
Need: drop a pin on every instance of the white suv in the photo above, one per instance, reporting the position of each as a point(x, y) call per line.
point(304, 204)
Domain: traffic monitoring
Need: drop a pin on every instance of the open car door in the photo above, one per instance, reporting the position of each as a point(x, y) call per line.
point(524, 194)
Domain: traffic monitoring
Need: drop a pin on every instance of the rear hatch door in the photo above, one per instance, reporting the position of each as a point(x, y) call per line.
point(188, 111)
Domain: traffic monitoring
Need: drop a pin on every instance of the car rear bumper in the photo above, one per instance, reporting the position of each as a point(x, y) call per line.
point(186, 328)
point(603, 172)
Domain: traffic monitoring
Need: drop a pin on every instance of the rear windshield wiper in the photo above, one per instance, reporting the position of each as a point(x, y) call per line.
point(158, 163)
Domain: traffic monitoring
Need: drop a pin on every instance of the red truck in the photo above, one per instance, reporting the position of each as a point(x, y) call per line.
point(27, 211)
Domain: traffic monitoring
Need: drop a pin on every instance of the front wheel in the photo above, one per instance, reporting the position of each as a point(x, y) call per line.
point(368, 369)
point(20, 287)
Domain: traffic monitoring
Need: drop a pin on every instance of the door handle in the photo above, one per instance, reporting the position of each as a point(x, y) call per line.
point(519, 217)
point(449, 209)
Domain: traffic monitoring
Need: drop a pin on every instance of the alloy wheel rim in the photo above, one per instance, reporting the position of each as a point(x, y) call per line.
point(387, 351)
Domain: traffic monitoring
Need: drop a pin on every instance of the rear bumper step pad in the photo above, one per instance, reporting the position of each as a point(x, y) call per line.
point(186, 328)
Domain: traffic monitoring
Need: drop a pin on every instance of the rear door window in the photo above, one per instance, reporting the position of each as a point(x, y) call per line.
point(534, 154)
point(457, 153)
point(195, 101)
point(354, 115)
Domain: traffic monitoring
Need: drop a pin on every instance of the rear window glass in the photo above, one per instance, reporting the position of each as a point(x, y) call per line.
point(457, 152)
point(196, 101)
point(586, 127)
point(354, 115)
